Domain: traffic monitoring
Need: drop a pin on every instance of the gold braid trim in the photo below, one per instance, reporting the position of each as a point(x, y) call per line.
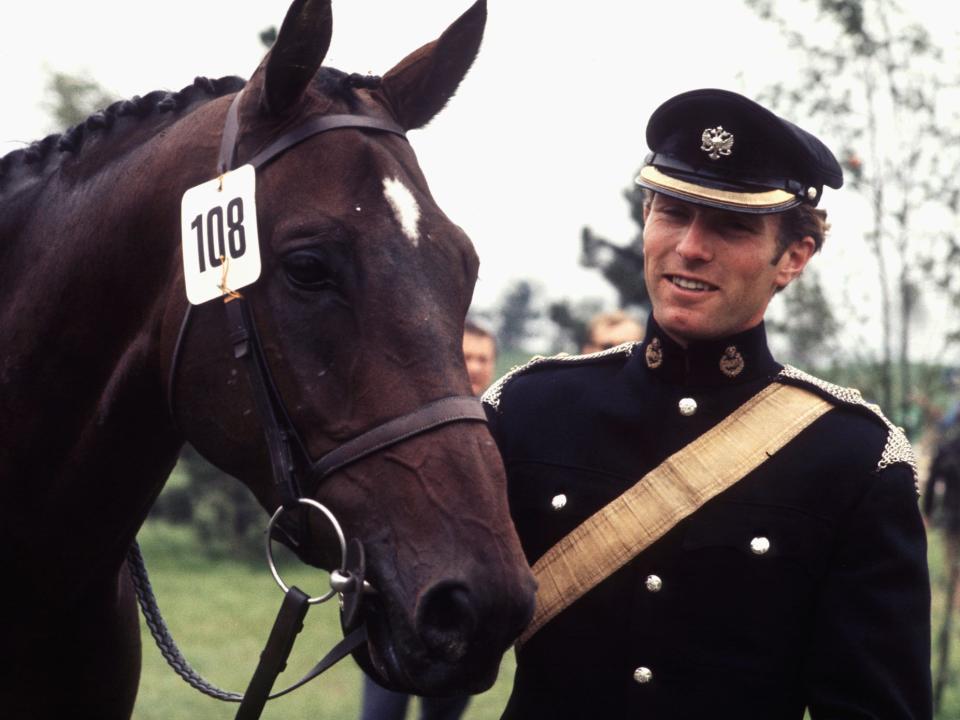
point(492, 395)
point(898, 448)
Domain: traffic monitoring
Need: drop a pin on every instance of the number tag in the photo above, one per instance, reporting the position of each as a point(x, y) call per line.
point(218, 229)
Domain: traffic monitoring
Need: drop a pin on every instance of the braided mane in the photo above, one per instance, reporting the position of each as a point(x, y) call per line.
point(162, 102)
point(35, 156)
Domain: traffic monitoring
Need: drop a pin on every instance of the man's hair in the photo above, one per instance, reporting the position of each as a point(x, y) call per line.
point(608, 319)
point(800, 222)
point(472, 328)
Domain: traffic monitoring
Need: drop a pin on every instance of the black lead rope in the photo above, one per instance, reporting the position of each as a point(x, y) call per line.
point(281, 638)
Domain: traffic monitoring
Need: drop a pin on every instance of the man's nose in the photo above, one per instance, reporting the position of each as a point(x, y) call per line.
point(696, 243)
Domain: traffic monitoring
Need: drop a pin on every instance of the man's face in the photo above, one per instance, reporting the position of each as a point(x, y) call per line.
point(710, 273)
point(479, 355)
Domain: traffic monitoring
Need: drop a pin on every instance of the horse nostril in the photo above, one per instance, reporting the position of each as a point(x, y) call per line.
point(446, 621)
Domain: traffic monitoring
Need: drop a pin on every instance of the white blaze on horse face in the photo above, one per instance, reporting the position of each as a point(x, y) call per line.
point(405, 208)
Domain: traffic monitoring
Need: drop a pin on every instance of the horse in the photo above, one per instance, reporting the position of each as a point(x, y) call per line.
point(359, 307)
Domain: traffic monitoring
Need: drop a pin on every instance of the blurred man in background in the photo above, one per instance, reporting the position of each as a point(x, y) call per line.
point(480, 356)
point(609, 329)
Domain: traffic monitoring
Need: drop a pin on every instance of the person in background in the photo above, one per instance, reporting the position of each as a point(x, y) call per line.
point(715, 534)
point(378, 703)
point(609, 329)
point(480, 356)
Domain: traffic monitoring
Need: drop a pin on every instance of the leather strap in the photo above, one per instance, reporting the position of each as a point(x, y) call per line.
point(715, 461)
point(273, 659)
point(457, 408)
point(317, 125)
point(246, 347)
point(307, 129)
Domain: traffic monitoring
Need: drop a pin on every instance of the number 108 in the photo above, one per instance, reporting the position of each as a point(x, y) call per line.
point(217, 242)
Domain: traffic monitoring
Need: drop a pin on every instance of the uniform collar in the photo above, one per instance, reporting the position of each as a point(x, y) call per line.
point(735, 359)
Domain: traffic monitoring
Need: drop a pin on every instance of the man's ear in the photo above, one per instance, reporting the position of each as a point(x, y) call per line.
point(794, 260)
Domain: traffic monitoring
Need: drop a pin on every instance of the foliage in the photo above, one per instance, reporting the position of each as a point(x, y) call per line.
point(70, 99)
point(871, 79)
point(808, 324)
point(621, 264)
point(268, 36)
point(572, 319)
point(221, 511)
point(517, 311)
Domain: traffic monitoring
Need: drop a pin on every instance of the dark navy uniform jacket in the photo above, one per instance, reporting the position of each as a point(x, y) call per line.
point(803, 585)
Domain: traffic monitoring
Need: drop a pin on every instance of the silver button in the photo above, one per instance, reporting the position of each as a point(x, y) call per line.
point(759, 545)
point(642, 675)
point(653, 583)
point(811, 193)
point(688, 406)
point(559, 502)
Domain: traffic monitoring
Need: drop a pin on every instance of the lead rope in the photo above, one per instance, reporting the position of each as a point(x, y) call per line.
point(161, 633)
point(288, 624)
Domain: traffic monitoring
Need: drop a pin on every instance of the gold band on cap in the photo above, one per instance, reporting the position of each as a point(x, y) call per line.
point(653, 179)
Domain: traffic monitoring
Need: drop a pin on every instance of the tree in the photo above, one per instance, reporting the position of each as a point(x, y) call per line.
point(268, 36)
point(809, 325)
point(71, 98)
point(872, 79)
point(516, 312)
point(620, 264)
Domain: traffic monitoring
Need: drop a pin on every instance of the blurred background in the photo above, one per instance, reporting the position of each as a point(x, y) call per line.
point(535, 158)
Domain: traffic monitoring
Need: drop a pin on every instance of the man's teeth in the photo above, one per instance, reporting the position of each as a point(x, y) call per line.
point(689, 284)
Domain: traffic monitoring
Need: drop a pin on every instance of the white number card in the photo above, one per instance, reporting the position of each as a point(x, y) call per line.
point(218, 229)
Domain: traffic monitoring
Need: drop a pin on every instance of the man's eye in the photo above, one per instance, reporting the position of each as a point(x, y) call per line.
point(741, 227)
point(674, 211)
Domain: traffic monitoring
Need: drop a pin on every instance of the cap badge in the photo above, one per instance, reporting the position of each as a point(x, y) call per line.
point(731, 364)
point(654, 354)
point(717, 142)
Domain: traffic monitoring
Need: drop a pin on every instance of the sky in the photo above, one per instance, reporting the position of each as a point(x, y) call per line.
point(541, 140)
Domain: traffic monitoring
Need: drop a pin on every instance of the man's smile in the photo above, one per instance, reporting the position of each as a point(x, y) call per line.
point(686, 283)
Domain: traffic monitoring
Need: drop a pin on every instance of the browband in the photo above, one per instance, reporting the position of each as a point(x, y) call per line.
point(313, 126)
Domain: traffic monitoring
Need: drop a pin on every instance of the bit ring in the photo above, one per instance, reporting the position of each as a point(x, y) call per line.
point(340, 538)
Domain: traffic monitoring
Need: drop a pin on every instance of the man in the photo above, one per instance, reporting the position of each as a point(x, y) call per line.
point(378, 703)
point(609, 329)
point(777, 562)
point(480, 355)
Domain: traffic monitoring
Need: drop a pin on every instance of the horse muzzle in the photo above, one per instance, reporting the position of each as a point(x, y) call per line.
point(452, 642)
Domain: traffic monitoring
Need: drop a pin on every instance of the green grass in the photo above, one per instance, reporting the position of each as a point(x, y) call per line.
point(950, 702)
point(220, 611)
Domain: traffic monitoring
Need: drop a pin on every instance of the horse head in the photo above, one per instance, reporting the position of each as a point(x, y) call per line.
point(359, 310)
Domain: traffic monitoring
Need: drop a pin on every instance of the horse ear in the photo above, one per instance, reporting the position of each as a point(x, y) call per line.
point(422, 83)
point(301, 45)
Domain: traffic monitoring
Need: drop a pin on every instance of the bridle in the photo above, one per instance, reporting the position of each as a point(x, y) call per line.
point(290, 463)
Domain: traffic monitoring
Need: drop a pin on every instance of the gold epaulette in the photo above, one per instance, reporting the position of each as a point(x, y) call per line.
point(492, 395)
point(897, 449)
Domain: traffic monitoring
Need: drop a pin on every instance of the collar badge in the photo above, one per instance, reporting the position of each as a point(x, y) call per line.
point(716, 141)
point(654, 354)
point(731, 364)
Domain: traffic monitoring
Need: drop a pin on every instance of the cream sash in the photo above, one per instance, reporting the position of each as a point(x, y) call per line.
point(618, 532)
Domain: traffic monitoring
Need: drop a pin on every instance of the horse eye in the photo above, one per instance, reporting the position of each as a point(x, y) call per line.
point(308, 271)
